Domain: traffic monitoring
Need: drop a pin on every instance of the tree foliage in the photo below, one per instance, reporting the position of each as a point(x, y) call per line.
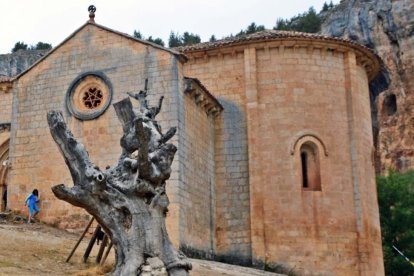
point(309, 22)
point(157, 40)
point(396, 203)
point(42, 46)
point(252, 28)
point(326, 7)
point(20, 45)
point(190, 38)
point(137, 34)
point(176, 40)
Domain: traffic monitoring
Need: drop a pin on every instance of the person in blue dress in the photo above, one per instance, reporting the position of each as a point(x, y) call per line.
point(30, 202)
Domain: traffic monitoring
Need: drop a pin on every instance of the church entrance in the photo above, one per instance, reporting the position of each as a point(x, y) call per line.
point(4, 168)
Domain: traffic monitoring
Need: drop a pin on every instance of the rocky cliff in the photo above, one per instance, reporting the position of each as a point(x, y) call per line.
point(387, 26)
point(15, 63)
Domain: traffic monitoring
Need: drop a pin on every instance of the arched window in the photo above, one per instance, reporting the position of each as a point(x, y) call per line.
point(309, 157)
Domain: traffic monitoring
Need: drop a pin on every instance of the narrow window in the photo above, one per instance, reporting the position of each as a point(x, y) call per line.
point(390, 105)
point(311, 176)
point(303, 157)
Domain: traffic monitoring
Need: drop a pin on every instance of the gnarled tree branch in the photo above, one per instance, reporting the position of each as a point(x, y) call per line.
point(128, 199)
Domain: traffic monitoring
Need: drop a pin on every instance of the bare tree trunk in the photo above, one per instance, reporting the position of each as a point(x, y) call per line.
point(128, 199)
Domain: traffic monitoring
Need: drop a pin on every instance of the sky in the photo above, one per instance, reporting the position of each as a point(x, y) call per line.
point(52, 21)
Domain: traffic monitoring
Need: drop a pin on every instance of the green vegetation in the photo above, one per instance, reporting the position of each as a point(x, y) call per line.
point(396, 203)
point(20, 45)
point(309, 22)
point(186, 39)
point(42, 46)
point(251, 29)
point(326, 7)
point(9, 264)
point(156, 40)
point(159, 41)
point(212, 38)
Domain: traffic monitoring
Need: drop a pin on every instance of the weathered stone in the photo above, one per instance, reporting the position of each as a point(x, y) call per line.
point(388, 27)
point(279, 94)
point(128, 199)
point(235, 185)
point(15, 63)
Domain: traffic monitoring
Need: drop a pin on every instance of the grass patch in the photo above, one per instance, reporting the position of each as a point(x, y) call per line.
point(9, 264)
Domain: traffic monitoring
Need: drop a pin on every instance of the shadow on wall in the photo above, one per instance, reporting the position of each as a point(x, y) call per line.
point(232, 214)
point(234, 122)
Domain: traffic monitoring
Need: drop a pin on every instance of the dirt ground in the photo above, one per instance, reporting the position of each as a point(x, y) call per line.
point(39, 249)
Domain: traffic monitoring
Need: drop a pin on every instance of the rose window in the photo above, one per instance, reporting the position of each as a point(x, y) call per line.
point(89, 95)
point(92, 98)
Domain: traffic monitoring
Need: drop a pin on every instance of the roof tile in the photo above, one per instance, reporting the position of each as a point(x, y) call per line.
point(263, 36)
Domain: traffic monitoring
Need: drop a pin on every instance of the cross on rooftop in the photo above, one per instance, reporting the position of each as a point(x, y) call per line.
point(92, 10)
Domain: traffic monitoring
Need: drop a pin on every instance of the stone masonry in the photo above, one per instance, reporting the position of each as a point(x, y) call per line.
point(245, 109)
point(281, 106)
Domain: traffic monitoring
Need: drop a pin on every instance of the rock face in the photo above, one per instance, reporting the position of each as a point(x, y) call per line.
point(15, 63)
point(387, 26)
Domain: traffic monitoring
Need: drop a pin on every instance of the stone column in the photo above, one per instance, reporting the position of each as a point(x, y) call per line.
point(363, 173)
point(256, 193)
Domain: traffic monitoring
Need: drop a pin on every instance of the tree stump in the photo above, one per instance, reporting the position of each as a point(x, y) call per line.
point(128, 199)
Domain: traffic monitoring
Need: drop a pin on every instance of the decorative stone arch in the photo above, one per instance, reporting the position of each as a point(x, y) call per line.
point(309, 150)
point(304, 136)
point(4, 169)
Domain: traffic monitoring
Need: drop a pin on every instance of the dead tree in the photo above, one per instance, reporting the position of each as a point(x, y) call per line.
point(128, 199)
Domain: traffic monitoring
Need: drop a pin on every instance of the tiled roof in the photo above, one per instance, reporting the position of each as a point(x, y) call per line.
point(265, 36)
point(365, 55)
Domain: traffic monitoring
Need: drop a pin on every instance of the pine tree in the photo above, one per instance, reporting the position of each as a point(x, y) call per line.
point(174, 40)
point(157, 40)
point(251, 29)
point(308, 22)
point(41, 46)
point(20, 45)
point(186, 39)
point(190, 39)
point(137, 34)
point(325, 7)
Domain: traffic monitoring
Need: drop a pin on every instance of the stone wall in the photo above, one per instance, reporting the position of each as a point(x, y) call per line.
point(223, 75)
point(5, 106)
point(5, 118)
point(288, 96)
point(386, 26)
point(36, 161)
point(15, 63)
point(197, 207)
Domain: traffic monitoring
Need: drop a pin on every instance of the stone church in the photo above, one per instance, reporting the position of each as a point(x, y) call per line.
point(275, 149)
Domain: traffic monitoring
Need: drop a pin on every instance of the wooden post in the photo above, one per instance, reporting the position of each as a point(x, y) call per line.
point(106, 253)
point(102, 248)
point(91, 242)
point(80, 239)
